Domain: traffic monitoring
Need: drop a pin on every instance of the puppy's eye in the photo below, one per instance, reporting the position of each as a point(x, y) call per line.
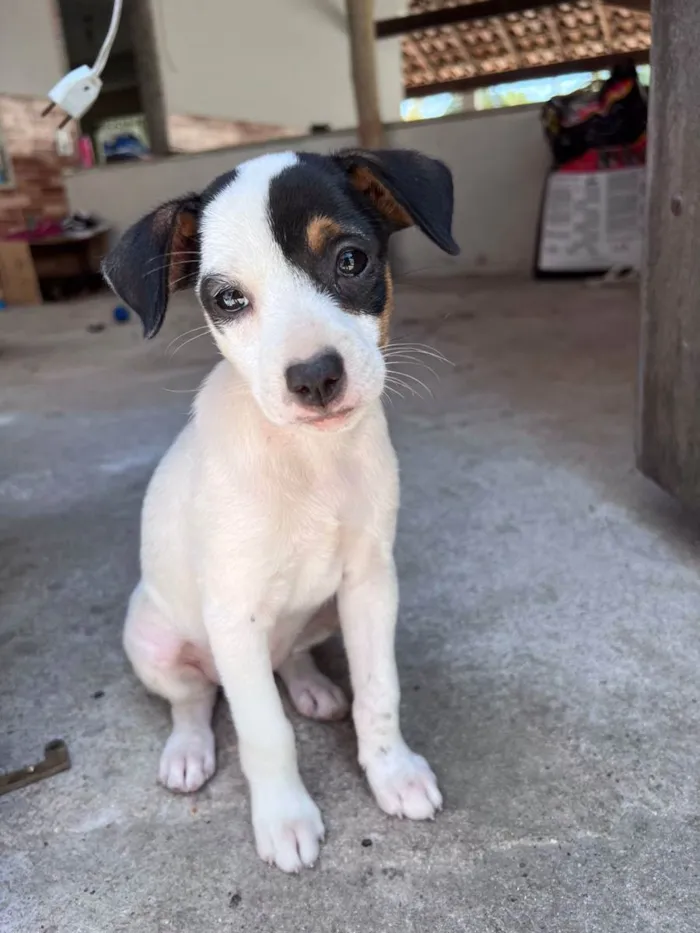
point(232, 300)
point(351, 262)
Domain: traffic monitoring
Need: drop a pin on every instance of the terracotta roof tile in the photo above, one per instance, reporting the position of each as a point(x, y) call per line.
point(562, 33)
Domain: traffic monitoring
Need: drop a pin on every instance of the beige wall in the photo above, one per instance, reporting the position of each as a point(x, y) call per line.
point(32, 57)
point(499, 161)
point(283, 62)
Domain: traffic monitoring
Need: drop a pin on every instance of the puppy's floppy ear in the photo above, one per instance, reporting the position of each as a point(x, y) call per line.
point(407, 188)
point(156, 257)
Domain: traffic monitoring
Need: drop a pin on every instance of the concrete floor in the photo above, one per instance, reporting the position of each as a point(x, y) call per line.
point(549, 645)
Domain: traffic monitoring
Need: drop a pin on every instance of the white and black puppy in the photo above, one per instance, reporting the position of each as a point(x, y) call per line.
point(273, 514)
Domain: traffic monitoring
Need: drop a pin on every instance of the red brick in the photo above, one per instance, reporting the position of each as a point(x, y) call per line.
point(37, 169)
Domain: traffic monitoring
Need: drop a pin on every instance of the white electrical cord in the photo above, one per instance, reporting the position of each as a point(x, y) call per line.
point(103, 55)
point(77, 91)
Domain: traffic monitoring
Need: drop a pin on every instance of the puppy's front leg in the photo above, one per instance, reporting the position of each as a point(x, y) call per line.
point(287, 823)
point(402, 782)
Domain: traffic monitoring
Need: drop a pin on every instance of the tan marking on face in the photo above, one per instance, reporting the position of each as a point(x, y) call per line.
point(183, 241)
point(384, 201)
point(319, 231)
point(385, 318)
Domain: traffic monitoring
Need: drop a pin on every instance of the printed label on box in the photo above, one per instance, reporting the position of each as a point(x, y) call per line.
point(592, 221)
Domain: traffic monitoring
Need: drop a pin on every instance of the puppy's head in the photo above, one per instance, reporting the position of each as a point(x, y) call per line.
point(288, 256)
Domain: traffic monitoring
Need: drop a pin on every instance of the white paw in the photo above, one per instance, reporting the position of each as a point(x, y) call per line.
point(188, 760)
point(288, 826)
point(403, 784)
point(318, 697)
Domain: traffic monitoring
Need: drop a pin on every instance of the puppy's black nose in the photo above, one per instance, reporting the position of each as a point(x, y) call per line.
point(318, 381)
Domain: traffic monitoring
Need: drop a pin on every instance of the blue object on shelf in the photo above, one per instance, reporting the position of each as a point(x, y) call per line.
point(3, 305)
point(121, 314)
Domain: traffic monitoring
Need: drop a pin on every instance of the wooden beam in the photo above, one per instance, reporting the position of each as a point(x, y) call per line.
point(551, 21)
point(458, 39)
point(360, 15)
point(447, 16)
point(668, 413)
point(640, 57)
point(508, 44)
point(599, 10)
point(464, 12)
point(634, 6)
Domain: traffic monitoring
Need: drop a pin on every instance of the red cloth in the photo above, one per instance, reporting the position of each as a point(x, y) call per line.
point(596, 160)
point(42, 229)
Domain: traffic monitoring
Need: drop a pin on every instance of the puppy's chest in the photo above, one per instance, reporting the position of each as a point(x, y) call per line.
point(317, 514)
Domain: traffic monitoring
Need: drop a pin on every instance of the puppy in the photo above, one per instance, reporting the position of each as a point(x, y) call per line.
point(273, 513)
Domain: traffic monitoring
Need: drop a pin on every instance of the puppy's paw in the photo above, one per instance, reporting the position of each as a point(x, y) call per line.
point(188, 760)
point(318, 697)
point(288, 826)
point(403, 783)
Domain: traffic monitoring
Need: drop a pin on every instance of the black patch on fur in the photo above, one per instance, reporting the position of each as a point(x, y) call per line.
point(159, 255)
point(156, 256)
point(420, 188)
point(217, 186)
point(316, 188)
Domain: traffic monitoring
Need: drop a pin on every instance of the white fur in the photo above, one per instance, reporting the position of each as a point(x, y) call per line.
point(254, 525)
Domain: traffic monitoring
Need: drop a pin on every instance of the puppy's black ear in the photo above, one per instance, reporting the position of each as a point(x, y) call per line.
point(156, 257)
point(407, 188)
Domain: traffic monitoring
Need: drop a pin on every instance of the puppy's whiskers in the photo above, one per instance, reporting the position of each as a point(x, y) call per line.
point(162, 268)
point(178, 252)
point(194, 330)
point(410, 360)
point(189, 340)
point(399, 355)
point(422, 349)
point(400, 378)
point(394, 391)
point(395, 381)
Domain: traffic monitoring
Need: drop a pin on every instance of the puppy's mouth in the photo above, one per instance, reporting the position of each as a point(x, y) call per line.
point(330, 421)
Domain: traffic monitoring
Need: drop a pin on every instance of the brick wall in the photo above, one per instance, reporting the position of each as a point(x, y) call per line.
point(38, 191)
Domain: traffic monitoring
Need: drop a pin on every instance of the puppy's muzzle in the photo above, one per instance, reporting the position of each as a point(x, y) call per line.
point(319, 381)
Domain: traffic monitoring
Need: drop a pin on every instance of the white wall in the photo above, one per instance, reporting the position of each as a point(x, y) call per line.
point(499, 161)
point(280, 62)
point(32, 57)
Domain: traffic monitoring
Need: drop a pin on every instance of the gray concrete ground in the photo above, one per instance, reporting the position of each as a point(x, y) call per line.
point(549, 645)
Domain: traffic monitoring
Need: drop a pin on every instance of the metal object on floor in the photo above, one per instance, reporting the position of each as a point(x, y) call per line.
point(55, 760)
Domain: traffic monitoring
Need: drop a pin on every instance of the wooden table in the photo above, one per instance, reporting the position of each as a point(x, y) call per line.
point(24, 263)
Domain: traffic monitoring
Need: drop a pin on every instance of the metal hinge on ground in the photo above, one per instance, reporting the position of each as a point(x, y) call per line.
point(55, 760)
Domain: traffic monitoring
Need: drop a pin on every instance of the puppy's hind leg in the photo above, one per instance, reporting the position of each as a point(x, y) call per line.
point(168, 667)
point(312, 693)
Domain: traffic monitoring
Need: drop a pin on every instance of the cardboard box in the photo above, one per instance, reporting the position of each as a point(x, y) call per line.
point(18, 280)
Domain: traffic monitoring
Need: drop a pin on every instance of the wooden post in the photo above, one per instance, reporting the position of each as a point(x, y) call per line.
point(139, 20)
point(364, 72)
point(668, 425)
